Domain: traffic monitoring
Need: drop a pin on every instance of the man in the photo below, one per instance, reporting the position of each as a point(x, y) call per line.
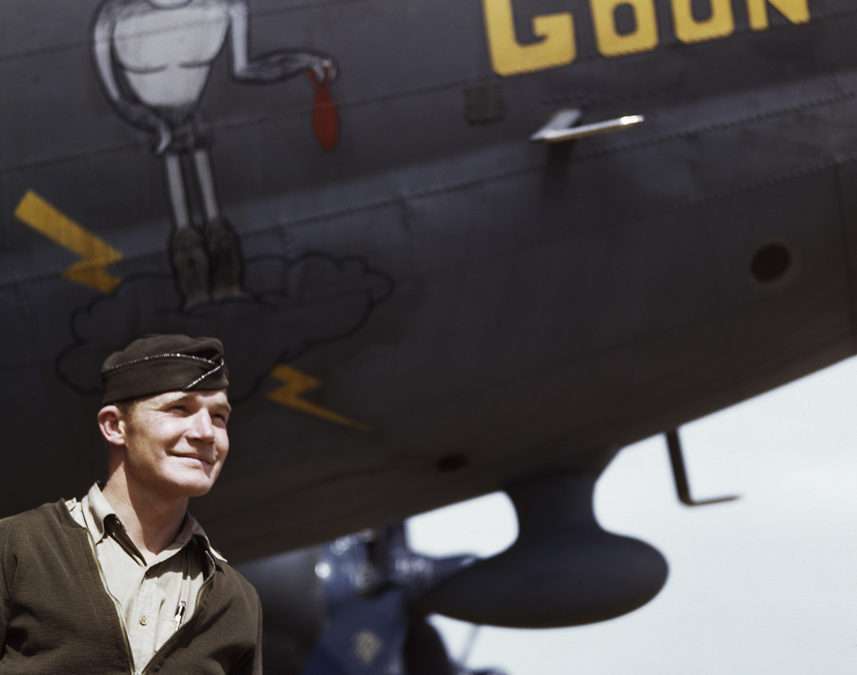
point(125, 580)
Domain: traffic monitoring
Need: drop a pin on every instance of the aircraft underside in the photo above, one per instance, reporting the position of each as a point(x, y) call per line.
point(420, 304)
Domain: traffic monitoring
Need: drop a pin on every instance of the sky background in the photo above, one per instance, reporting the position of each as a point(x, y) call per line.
point(767, 584)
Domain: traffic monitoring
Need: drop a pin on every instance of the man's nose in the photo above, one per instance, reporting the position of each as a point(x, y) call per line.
point(202, 426)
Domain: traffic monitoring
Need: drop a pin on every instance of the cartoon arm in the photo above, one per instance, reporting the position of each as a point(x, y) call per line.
point(275, 66)
point(132, 112)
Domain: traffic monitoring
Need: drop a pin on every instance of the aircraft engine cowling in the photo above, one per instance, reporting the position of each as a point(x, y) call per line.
point(563, 570)
point(322, 603)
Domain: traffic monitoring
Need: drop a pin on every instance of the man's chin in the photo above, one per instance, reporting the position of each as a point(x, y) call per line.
point(192, 482)
point(194, 490)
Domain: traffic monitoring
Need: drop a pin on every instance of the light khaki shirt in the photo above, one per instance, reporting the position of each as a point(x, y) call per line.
point(153, 600)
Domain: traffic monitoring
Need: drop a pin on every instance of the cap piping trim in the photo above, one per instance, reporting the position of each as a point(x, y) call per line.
point(156, 357)
point(217, 367)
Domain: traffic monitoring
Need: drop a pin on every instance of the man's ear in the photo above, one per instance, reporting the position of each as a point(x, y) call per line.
point(112, 425)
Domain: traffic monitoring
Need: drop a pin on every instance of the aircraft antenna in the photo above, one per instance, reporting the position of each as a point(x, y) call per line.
point(682, 482)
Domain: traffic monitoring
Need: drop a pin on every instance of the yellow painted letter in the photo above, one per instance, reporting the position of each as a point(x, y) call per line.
point(796, 11)
point(720, 24)
point(509, 57)
point(644, 38)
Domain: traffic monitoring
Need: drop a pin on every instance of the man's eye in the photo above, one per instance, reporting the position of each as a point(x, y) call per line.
point(177, 408)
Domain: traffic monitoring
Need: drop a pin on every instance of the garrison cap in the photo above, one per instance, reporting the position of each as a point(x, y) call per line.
point(156, 364)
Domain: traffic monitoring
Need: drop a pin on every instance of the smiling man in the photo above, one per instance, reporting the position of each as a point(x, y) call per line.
point(125, 580)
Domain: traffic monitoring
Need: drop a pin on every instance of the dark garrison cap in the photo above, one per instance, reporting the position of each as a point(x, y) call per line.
point(156, 364)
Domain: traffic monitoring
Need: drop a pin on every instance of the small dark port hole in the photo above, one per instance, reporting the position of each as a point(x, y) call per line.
point(451, 463)
point(771, 263)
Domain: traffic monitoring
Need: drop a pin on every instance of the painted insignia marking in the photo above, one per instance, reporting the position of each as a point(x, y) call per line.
point(154, 59)
point(96, 255)
point(367, 646)
point(296, 384)
point(305, 302)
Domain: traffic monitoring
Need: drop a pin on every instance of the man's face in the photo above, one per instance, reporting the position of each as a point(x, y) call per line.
point(176, 442)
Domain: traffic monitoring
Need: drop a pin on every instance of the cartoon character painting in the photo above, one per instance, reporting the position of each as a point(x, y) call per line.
point(154, 58)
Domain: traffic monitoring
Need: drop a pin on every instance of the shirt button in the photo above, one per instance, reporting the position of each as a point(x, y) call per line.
point(144, 620)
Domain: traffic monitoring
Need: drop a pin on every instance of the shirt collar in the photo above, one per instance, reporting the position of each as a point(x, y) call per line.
point(96, 510)
point(196, 530)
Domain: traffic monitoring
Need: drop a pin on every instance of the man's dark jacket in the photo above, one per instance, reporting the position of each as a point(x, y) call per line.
point(57, 618)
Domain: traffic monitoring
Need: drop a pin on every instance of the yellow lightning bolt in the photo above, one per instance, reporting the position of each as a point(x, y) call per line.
point(296, 384)
point(95, 254)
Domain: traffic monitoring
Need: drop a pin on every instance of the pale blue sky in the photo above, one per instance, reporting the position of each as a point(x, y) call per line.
point(764, 585)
